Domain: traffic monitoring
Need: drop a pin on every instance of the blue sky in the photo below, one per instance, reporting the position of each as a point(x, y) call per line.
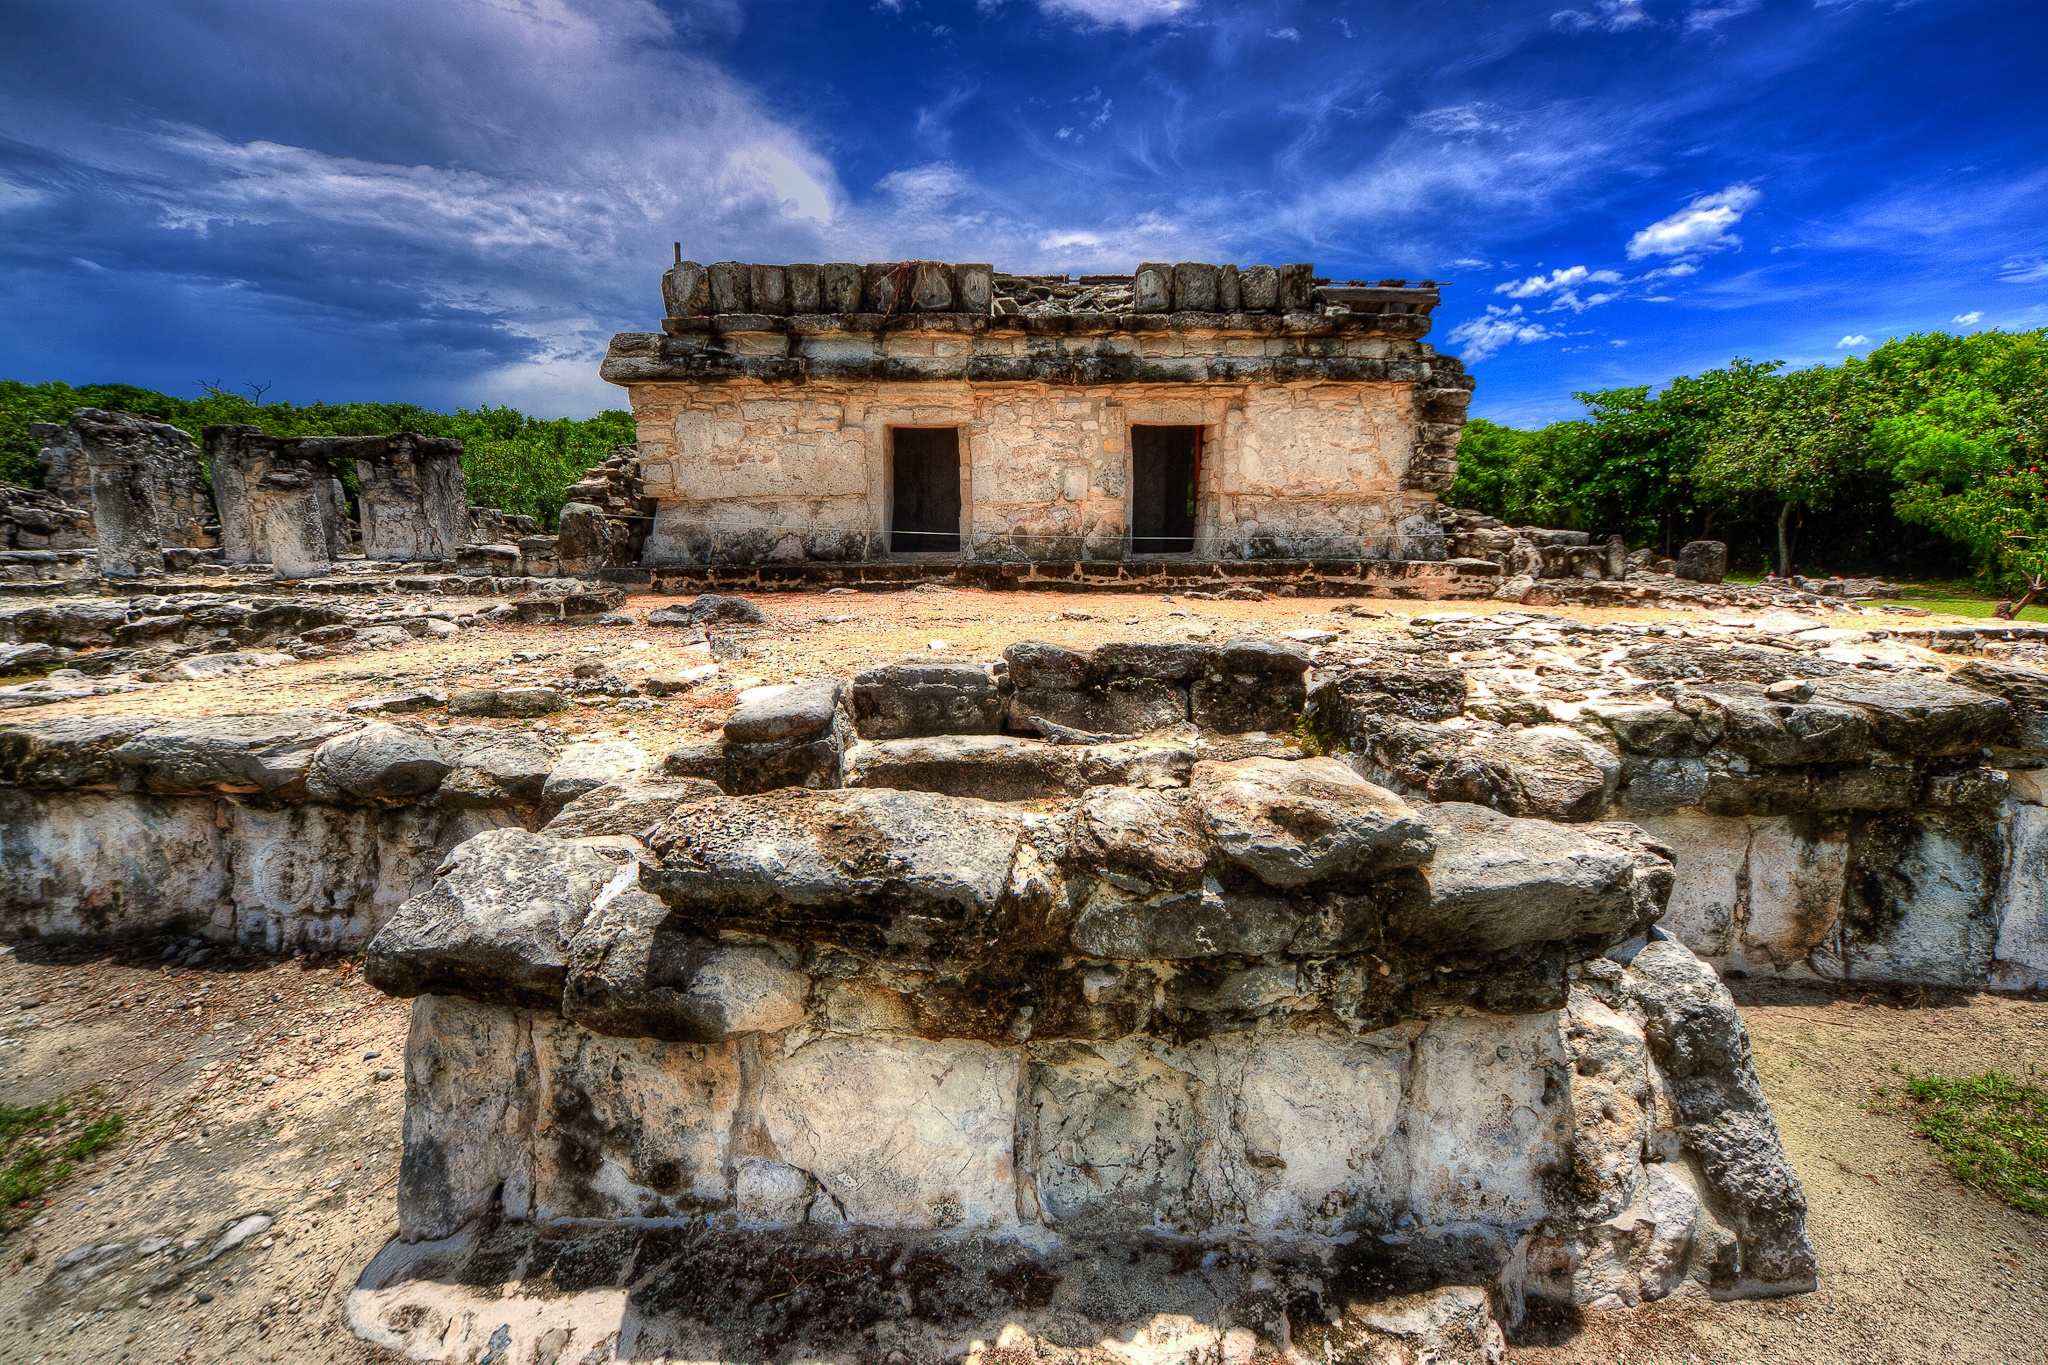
point(459, 201)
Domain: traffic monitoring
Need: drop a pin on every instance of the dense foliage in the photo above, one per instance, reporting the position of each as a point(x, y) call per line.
point(1924, 457)
point(513, 461)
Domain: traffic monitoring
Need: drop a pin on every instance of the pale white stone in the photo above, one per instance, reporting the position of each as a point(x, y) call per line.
point(901, 1132)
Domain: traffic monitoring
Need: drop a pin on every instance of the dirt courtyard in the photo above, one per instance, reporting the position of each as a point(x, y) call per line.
point(262, 1088)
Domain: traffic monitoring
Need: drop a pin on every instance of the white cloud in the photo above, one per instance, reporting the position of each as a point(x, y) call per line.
point(1608, 16)
point(1497, 328)
point(1131, 14)
point(1705, 18)
point(1700, 226)
point(1969, 319)
point(793, 183)
point(1292, 35)
point(1562, 288)
point(1858, 339)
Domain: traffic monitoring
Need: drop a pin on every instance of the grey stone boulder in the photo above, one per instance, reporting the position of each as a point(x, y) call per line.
point(31, 658)
point(801, 710)
point(1186, 925)
point(632, 975)
point(1698, 1040)
point(68, 752)
point(1543, 771)
point(1499, 882)
point(910, 700)
point(1036, 664)
point(405, 703)
point(381, 763)
point(1307, 822)
point(1349, 705)
point(1136, 659)
point(631, 805)
point(1702, 561)
point(1120, 707)
point(497, 923)
point(862, 867)
point(585, 767)
point(1249, 685)
point(1140, 840)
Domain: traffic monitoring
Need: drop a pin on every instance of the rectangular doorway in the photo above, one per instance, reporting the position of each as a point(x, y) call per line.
point(925, 504)
point(1164, 463)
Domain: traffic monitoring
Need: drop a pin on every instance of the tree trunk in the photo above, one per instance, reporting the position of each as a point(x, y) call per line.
point(2008, 610)
point(1784, 540)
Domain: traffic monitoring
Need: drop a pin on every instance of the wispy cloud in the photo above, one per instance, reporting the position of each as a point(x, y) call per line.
point(1130, 14)
point(1607, 16)
point(1497, 329)
point(1701, 226)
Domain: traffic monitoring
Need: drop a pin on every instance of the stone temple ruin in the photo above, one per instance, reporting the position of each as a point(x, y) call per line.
point(845, 413)
point(1348, 998)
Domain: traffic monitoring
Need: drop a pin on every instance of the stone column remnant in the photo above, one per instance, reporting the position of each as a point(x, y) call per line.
point(686, 290)
point(242, 458)
point(411, 494)
point(147, 490)
point(288, 516)
point(63, 461)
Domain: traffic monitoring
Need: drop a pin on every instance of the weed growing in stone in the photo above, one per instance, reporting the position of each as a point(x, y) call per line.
point(39, 1143)
point(1994, 1131)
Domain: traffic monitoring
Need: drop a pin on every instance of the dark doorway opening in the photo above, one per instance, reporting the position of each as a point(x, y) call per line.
point(1164, 461)
point(925, 518)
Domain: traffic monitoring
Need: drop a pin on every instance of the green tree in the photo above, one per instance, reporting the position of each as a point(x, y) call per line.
point(1965, 434)
point(1799, 437)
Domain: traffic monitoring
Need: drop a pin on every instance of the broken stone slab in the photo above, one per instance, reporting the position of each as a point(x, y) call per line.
point(1543, 771)
point(1008, 768)
point(707, 607)
point(269, 753)
point(505, 702)
point(585, 767)
point(1309, 822)
point(497, 923)
point(630, 805)
point(493, 768)
point(913, 700)
point(1498, 882)
point(2025, 743)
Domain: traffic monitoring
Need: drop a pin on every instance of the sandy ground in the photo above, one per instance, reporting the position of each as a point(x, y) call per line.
point(265, 1087)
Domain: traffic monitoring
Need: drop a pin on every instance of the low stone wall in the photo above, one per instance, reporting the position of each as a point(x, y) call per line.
point(302, 829)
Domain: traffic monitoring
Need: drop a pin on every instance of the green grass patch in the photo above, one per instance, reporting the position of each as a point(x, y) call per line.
point(1992, 1128)
point(39, 1145)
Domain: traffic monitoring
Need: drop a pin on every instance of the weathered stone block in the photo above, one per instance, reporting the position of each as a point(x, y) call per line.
point(910, 700)
point(1703, 561)
point(1309, 822)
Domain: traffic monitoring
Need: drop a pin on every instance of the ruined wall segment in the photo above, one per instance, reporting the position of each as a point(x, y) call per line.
point(147, 487)
point(1328, 428)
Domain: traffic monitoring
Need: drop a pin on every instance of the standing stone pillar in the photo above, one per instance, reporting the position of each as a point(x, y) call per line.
point(62, 458)
point(288, 517)
point(411, 494)
point(584, 542)
point(122, 457)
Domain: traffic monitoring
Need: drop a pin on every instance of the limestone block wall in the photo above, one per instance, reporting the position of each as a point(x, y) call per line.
point(298, 829)
point(749, 472)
